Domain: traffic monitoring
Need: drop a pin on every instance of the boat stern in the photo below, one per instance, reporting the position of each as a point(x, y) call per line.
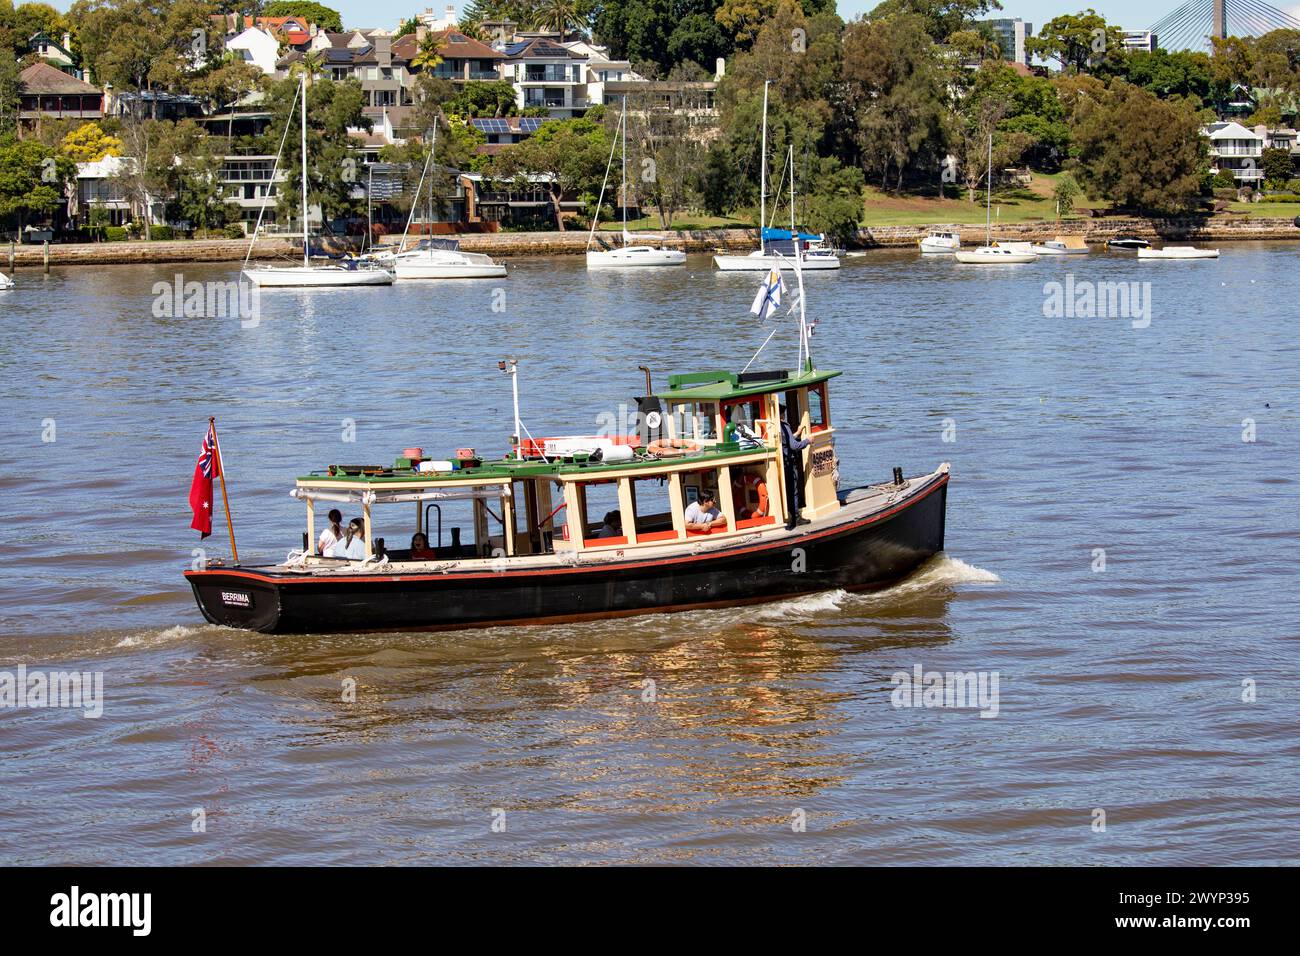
point(235, 598)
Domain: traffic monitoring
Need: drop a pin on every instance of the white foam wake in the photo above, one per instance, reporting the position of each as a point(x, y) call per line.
point(157, 638)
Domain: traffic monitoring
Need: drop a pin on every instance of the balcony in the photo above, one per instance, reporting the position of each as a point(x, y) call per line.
point(1223, 149)
point(551, 74)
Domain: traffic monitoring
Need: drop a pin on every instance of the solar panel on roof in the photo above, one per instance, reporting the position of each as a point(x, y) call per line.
point(530, 124)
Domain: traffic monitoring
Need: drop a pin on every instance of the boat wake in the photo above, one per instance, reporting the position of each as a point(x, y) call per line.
point(170, 635)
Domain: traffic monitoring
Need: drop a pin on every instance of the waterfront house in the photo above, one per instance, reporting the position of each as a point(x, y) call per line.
point(58, 55)
point(101, 186)
point(505, 131)
point(545, 73)
point(1237, 150)
point(46, 92)
point(464, 59)
point(291, 32)
point(256, 46)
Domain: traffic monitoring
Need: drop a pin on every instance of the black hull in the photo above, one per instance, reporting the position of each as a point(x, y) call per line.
point(859, 554)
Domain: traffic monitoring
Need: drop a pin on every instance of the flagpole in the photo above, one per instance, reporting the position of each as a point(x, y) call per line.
point(221, 472)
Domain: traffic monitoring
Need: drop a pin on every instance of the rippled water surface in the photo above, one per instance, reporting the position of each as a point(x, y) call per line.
point(1119, 690)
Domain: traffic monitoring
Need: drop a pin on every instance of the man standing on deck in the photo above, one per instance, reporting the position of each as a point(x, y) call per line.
point(792, 447)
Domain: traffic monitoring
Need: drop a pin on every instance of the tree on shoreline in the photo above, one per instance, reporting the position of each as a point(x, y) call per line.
point(1139, 151)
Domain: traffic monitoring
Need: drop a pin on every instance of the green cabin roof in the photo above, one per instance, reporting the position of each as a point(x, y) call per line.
point(719, 385)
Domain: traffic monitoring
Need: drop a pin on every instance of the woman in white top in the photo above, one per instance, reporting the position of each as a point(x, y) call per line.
point(332, 533)
point(354, 543)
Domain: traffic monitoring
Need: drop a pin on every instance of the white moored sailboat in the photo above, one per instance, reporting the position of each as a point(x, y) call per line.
point(437, 258)
point(777, 247)
point(994, 253)
point(629, 256)
point(348, 273)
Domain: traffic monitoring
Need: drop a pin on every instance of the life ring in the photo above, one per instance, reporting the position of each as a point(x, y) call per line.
point(759, 487)
point(671, 447)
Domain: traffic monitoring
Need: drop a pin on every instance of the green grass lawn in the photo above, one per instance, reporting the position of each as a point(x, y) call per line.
point(1010, 205)
point(1265, 210)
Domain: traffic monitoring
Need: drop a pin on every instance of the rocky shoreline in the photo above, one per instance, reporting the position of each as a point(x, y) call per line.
point(540, 244)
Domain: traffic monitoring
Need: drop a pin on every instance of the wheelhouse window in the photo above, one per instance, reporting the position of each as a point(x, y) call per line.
point(744, 414)
point(819, 414)
point(696, 420)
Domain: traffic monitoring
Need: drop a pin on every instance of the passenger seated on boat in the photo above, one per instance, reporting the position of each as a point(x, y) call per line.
point(703, 516)
point(613, 526)
point(332, 533)
point(353, 543)
point(420, 550)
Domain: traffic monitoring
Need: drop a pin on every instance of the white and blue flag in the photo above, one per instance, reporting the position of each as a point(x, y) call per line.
point(769, 294)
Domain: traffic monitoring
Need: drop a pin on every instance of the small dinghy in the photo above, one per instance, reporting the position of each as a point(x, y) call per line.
point(1127, 242)
point(1178, 252)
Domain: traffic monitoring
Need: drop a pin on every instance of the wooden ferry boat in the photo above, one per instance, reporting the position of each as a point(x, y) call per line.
point(533, 547)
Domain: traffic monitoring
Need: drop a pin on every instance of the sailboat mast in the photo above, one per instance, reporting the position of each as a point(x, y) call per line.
point(762, 204)
point(306, 242)
point(988, 199)
point(623, 190)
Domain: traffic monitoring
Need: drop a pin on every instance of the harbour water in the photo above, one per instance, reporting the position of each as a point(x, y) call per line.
point(1121, 554)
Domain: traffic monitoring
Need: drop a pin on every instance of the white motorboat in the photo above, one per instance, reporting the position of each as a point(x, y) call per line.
point(349, 272)
point(6, 282)
point(629, 256)
point(940, 242)
point(1127, 242)
point(441, 259)
point(1178, 252)
point(992, 255)
point(776, 247)
point(1061, 246)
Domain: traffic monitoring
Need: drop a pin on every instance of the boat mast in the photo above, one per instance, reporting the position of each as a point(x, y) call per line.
point(988, 199)
point(419, 188)
point(623, 190)
point(762, 172)
point(306, 240)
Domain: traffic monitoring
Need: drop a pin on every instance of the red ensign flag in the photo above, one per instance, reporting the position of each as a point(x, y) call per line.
point(201, 487)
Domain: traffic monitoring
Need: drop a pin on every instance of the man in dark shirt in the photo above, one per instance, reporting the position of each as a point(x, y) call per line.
point(791, 446)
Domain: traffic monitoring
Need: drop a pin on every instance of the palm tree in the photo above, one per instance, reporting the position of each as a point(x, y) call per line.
point(428, 57)
point(312, 62)
point(556, 15)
